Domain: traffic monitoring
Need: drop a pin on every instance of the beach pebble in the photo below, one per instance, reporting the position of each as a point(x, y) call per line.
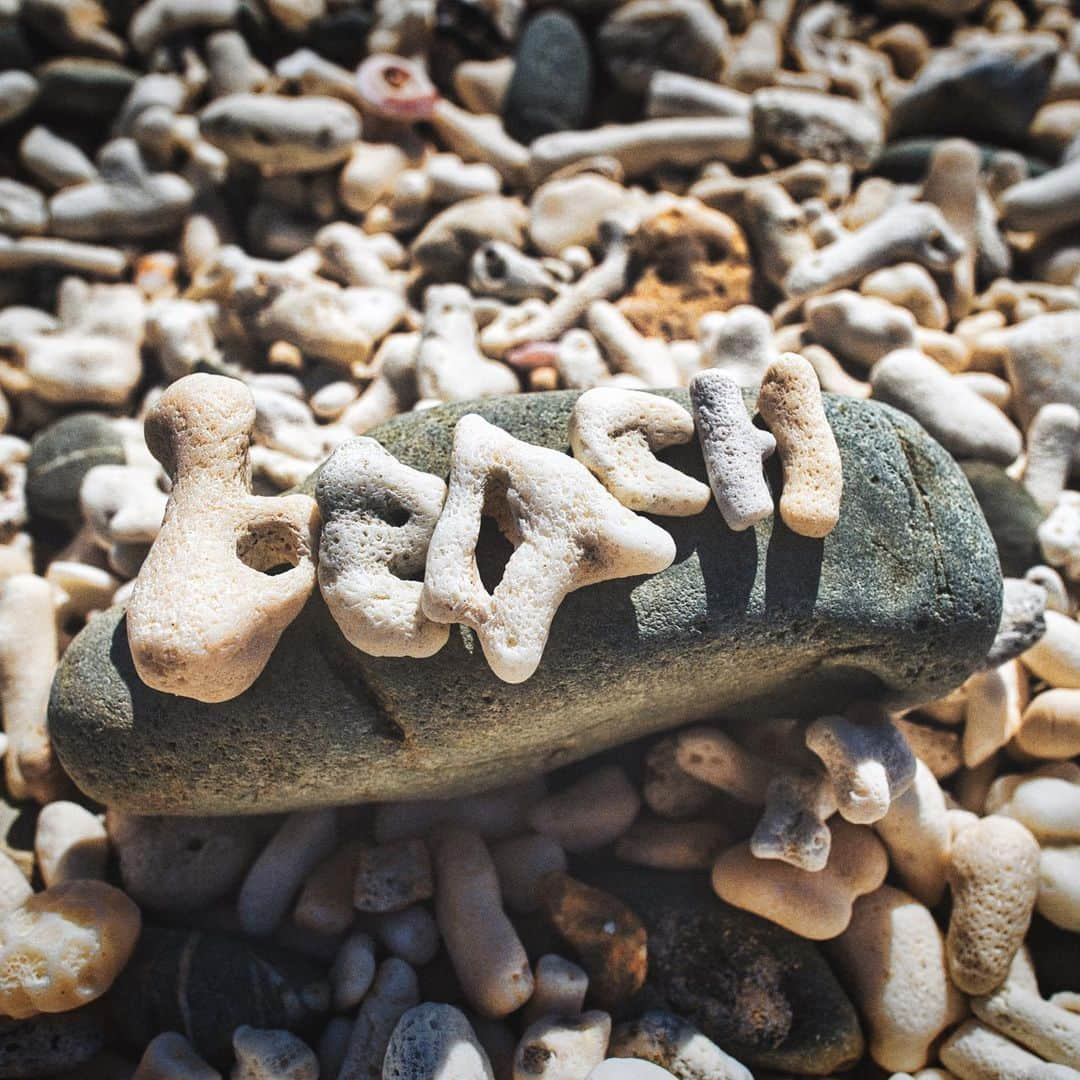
point(1023, 621)
point(867, 760)
point(567, 212)
point(800, 124)
point(963, 422)
point(551, 87)
point(181, 863)
point(1059, 886)
point(353, 971)
point(590, 813)
point(280, 134)
point(915, 832)
point(391, 877)
point(892, 955)
point(377, 519)
point(14, 886)
point(560, 988)
point(488, 957)
point(1050, 726)
point(813, 904)
point(302, 841)
point(644, 36)
point(64, 947)
point(521, 861)
point(607, 936)
point(392, 995)
point(51, 1045)
point(1046, 801)
point(200, 428)
point(216, 983)
point(733, 449)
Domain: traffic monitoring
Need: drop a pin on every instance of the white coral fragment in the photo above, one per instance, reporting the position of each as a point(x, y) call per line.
point(615, 434)
point(567, 532)
point(378, 516)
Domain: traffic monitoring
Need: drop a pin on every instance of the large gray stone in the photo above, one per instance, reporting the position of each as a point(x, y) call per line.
point(901, 600)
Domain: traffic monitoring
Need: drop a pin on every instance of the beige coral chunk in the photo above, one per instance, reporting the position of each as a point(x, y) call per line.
point(558, 1047)
point(483, 945)
point(169, 1056)
point(64, 947)
point(69, 843)
point(892, 958)
point(994, 877)
point(567, 532)
point(812, 904)
point(28, 650)
point(977, 1052)
point(790, 403)
point(206, 611)
point(915, 832)
point(596, 810)
point(378, 517)
point(616, 434)
point(995, 705)
point(1050, 726)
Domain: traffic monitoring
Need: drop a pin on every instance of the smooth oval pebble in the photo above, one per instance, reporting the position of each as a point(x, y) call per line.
point(552, 83)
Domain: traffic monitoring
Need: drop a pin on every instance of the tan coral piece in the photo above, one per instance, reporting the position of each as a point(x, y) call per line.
point(790, 403)
point(893, 959)
point(483, 945)
point(915, 832)
point(1050, 726)
point(977, 1052)
point(378, 516)
point(28, 652)
point(206, 612)
point(994, 877)
point(616, 434)
point(815, 905)
point(566, 529)
point(64, 947)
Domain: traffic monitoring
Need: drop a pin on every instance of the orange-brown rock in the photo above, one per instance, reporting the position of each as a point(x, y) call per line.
point(688, 260)
point(608, 937)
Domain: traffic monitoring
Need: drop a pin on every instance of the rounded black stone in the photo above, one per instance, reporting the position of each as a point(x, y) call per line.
point(552, 84)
